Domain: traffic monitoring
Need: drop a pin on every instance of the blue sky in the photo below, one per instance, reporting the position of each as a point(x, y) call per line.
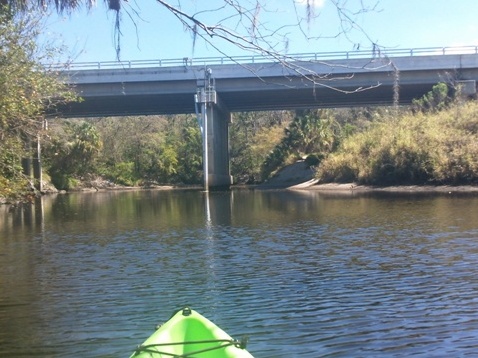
point(158, 35)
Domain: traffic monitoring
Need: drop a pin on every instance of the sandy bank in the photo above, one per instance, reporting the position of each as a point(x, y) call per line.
point(299, 176)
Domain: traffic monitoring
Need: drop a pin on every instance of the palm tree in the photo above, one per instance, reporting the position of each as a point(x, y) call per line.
point(245, 25)
point(60, 5)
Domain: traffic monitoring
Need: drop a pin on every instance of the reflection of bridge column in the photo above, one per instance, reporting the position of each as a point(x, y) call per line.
point(219, 208)
point(215, 120)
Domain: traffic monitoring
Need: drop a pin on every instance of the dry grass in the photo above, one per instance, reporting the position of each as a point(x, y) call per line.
point(438, 148)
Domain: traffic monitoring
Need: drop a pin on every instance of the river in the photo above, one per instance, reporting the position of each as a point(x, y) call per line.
point(302, 273)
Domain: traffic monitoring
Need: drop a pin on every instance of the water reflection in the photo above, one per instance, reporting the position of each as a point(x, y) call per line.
point(304, 274)
point(165, 209)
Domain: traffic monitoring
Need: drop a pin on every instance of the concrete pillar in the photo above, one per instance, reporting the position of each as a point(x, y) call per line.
point(218, 146)
point(466, 88)
point(33, 165)
point(214, 121)
point(27, 166)
point(37, 167)
point(27, 161)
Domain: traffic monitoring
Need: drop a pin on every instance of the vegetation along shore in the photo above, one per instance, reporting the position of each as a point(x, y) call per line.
point(430, 148)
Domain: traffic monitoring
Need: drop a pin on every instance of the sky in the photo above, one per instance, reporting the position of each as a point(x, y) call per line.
point(150, 32)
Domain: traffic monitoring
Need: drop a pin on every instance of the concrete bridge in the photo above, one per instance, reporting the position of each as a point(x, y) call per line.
point(215, 87)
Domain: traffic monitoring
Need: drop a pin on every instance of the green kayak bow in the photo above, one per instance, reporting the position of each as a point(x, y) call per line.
point(189, 334)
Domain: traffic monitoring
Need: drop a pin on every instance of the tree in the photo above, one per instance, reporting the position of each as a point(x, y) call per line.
point(150, 149)
point(248, 25)
point(189, 147)
point(72, 152)
point(313, 131)
point(26, 91)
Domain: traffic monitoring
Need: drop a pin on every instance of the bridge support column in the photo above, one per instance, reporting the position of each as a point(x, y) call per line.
point(214, 121)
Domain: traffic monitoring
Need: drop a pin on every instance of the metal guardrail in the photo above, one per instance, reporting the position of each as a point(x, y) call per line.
point(314, 56)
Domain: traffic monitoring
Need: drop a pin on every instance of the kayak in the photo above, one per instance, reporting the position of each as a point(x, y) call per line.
point(189, 334)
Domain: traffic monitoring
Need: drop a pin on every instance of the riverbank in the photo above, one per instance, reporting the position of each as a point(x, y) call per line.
point(296, 176)
point(353, 188)
point(306, 186)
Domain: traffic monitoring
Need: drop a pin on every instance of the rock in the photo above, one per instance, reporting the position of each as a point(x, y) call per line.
point(298, 174)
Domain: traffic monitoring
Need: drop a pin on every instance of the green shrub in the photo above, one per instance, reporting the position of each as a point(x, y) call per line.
point(435, 100)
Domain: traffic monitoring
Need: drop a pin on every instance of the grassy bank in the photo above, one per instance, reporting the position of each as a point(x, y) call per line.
point(438, 147)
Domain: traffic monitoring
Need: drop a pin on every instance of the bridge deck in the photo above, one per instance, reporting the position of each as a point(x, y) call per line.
point(264, 86)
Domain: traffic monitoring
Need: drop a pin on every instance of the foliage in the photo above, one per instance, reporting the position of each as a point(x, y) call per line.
point(72, 153)
point(313, 132)
point(63, 5)
point(13, 184)
point(26, 91)
point(437, 148)
point(10, 165)
point(26, 88)
point(157, 160)
point(121, 173)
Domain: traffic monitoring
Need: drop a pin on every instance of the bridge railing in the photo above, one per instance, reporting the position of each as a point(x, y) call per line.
point(247, 59)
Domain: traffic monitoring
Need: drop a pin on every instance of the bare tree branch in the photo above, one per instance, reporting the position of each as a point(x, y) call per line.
point(247, 25)
point(264, 41)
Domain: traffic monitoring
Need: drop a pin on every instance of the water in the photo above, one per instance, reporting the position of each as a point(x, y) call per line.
point(303, 274)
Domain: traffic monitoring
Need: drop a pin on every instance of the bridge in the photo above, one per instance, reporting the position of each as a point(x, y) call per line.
point(215, 87)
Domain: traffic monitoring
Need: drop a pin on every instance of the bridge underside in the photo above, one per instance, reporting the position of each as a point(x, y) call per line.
point(266, 100)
